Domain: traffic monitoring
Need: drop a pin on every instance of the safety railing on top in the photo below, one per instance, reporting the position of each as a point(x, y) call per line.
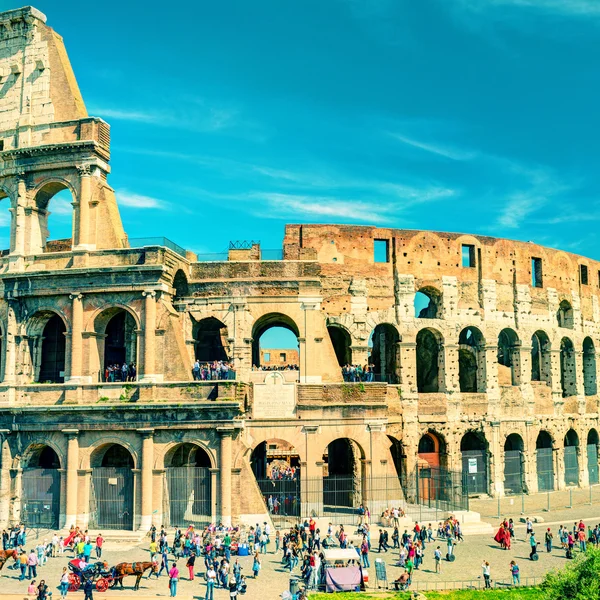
point(470, 584)
point(157, 241)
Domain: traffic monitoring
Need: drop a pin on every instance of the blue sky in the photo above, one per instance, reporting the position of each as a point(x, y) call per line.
point(231, 118)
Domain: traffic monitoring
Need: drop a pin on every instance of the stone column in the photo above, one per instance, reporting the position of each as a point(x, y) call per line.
point(72, 464)
point(149, 337)
point(225, 465)
point(5, 477)
point(496, 469)
point(10, 358)
point(76, 361)
point(214, 508)
point(531, 480)
point(311, 474)
point(448, 372)
point(18, 220)
point(147, 466)
point(556, 384)
point(83, 213)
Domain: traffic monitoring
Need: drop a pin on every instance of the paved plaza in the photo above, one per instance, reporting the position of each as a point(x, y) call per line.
point(274, 579)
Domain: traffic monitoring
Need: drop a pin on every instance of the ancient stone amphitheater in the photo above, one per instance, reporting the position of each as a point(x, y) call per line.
point(483, 355)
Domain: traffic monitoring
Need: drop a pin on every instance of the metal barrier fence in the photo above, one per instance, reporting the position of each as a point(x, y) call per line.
point(40, 498)
point(188, 498)
point(472, 584)
point(534, 504)
point(425, 494)
point(156, 241)
point(111, 498)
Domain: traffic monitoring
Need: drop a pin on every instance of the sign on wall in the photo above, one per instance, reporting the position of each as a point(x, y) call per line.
point(275, 398)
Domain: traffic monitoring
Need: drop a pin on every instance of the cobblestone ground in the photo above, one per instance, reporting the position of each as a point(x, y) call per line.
point(273, 579)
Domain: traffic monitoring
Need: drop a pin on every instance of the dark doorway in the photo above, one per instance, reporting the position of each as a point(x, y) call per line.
point(475, 463)
point(571, 456)
point(211, 340)
point(119, 344)
point(341, 342)
point(513, 465)
point(40, 489)
point(592, 456)
point(544, 462)
point(52, 366)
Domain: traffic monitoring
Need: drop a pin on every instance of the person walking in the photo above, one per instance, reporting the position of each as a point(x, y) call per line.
point(548, 540)
point(23, 564)
point(486, 574)
point(450, 547)
point(437, 558)
point(88, 589)
point(256, 565)
point(211, 578)
point(173, 579)
point(64, 583)
point(514, 571)
point(32, 563)
point(533, 545)
point(191, 561)
point(364, 553)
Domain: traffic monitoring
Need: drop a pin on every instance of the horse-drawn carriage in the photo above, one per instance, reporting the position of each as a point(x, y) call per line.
point(99, 573)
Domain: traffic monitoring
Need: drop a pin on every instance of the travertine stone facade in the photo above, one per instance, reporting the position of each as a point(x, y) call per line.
point(495, 357)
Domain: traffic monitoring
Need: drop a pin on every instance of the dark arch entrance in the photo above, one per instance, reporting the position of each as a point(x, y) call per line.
point(342, 342)
point(280, 321)
point(428, 371)
point(544, 461)
point(592, 456)
point(342, 476)
point(40, 488)
point(383, 357)
point(509, 371)
point(52, 362)
point(471, 363)
point(120, 343)
point(111, 494)
point(571, 456)
point(211, 340)
point(433, 477)
point(180, 285)
point(590, 386)
point(514, 473)
point(541, 363)
point(568, 377)
point(276, 466)
point(473, 447)
point(189, 486)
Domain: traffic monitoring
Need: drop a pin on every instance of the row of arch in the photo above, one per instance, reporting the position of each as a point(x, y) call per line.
point(188, 481)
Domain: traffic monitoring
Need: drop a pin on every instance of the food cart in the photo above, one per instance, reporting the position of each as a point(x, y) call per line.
point(343, 571)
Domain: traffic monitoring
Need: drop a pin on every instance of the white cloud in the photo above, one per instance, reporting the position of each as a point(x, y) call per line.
point(440, 150)
point(126, 198)
point(61, 206)
point(4, 219)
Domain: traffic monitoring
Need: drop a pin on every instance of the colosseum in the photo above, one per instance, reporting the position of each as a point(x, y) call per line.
point(475, 356)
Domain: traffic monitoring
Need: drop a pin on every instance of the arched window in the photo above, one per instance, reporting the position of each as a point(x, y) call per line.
point(568, 376)
point(428, 303)
point(471, 360)
point(52, 234)
point(428, 361)
point(180, 285)
point(509, 372)
point(117, 344)
point(544, 462)
point(342, 342)
point(589, 367)
point(51, 365)
point(564, 315)
point(383, 346)
point(211, 343)
point(541, 362)
point(275, 343)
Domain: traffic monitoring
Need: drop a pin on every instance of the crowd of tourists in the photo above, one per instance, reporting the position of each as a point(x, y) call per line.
point(120, 372)
point(357, 373)
point(275, 368)
point(217, 370)
point(288, 473)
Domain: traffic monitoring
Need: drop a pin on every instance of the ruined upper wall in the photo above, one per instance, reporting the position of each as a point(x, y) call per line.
point(37, 84)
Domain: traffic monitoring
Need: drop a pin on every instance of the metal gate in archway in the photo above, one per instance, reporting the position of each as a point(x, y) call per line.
point(571, 466)
point(513, 472)
point(592, 456)
point(341, 491)
point(111, 498)
point(189, 495)
point(40, 497)
point(475, 476)
point(545, 469)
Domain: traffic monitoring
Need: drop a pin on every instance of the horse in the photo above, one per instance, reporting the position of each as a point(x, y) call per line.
point(6, 554)
point(137, 568)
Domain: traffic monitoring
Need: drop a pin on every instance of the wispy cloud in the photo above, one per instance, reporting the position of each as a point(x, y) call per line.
point(4, 219)
point(574, 8)
point(62, 207)
point(434, 148)
point(125, 198)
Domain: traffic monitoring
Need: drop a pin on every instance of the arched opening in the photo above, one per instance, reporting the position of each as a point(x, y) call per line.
point(117, 344)
point(544, 461)
point(429, 344)
point(40, 488)
point(111, 493)
point(55, 234)
point(509, 371)
point(180, 285)
point(432, 476)
point(541, 361)
point(428, 303)
point(514, 473)
point(383, 346)
point(589, 367)
point(568, 374)
point(473, 447)
point(399, 458)
point(471, 360)
point(592, 456)
point(275, 343)
point(276, 466)
point(342, 476)
point(571, 456)
point(564, 316)
point(189, 487)
point(5, 223)
point(48, 352)
point(211, 343)
point(341, 342)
